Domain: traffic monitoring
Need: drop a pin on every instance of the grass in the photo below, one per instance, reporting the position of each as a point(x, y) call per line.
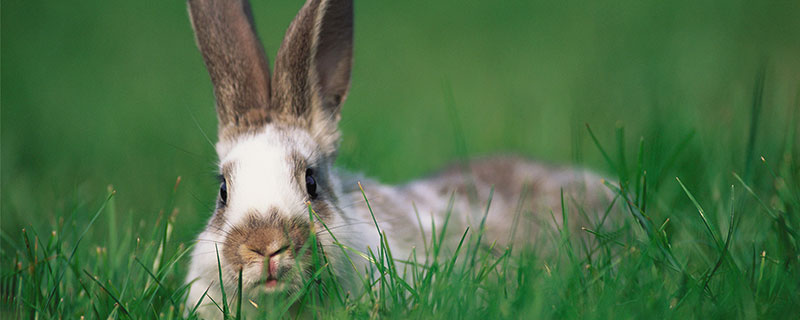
point(651, 268)
point(690, 108)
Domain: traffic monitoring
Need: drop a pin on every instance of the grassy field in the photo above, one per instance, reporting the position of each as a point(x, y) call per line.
point(113, 95)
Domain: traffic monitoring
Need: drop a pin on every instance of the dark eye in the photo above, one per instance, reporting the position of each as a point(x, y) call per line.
point(311, 184)
point(223, 193)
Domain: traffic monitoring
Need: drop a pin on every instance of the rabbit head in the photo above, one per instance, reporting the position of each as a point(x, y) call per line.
point(277, 140)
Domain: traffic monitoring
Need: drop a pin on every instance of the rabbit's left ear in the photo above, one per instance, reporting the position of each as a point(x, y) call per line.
point(312, 68)
point(235, 60)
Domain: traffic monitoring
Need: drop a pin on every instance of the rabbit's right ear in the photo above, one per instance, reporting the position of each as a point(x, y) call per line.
point(235, 60)
point(312, 68)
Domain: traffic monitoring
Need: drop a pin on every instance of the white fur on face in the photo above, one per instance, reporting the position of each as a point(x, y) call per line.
point(262, 172)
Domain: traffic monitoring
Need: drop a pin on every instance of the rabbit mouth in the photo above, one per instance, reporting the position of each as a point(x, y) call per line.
point(270, 284)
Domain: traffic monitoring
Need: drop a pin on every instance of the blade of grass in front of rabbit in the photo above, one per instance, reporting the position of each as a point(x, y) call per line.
point(239, 297)
point(450, 267)
point(518, 213)
point(199, 301)
point(309, 244)
point(377, 227)
point(381, 248)
point(301, 293)
point(391, 269)
point(421, 229)
point(565, 237)
point(481, 228)
point(395, 276)
point(225, 310)
point(438, 246)
point(180, 294)
point(484, 271)
point(343, 248)
point(607, 212)
point(312, 245)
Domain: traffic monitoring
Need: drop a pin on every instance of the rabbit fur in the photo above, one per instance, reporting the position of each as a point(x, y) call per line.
point(275, 131)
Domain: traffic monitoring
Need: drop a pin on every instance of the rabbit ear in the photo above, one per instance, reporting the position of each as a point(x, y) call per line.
point(235, 59)
point(312, 68)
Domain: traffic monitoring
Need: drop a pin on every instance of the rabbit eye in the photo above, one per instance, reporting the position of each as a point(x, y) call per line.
point(223, 193)
point(311, 184)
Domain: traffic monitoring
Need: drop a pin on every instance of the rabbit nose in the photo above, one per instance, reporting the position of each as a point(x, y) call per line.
point(272, 267)
point(271, 258)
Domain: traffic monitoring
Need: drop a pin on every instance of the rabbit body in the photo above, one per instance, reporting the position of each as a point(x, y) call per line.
point(517, 196)
point(278, 136)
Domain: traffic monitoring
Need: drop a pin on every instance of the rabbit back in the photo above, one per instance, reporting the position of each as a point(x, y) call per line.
point(526, 200)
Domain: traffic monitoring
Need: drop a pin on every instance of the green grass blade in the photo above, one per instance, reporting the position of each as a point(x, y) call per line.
point(700, 210)
point(108, 292)
point(225, 310)
point(75, 247)
point(239, 297)
point(610, 162)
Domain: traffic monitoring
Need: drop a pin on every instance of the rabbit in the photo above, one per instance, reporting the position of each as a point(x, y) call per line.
point(277, 142)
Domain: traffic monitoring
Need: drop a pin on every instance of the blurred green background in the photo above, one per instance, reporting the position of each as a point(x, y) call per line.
point(98, 93)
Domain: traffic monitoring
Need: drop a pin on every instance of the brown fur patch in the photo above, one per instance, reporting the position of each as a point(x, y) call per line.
point(258, 237)
point(503, 173)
